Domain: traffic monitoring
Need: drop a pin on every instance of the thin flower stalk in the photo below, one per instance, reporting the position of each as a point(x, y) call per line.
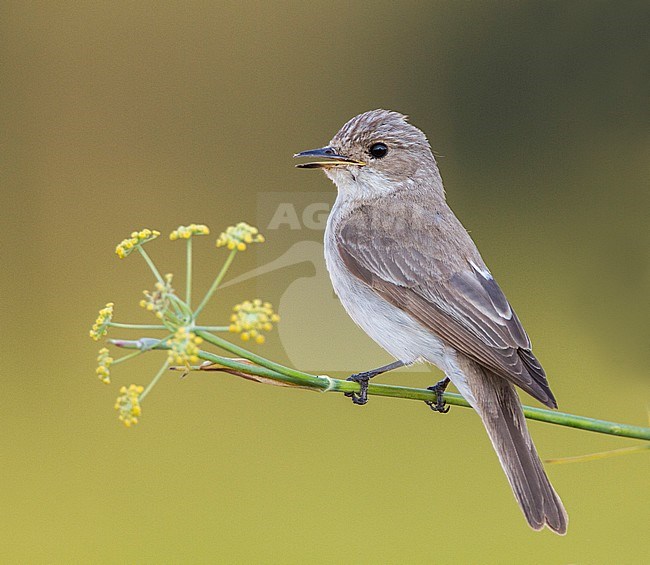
point(155, 380)
point(187, 233)
point(136, 326)
point(188, 273)
point(216, 282)
point(151, 264)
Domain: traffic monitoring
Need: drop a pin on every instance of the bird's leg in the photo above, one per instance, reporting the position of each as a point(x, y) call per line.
point(361, 397)
point(439, 405)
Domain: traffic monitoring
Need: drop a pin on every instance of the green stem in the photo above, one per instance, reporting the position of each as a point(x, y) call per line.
point(127, 357)
point(188, 274)
point(153, 382)
point(213, 328)
point(149, 262)
point(216, 283)
point(286, 375)
point(136, 326)
point(241, 352)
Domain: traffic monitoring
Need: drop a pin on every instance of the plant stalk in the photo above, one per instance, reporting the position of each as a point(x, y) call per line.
point(188, 274)
point(285, 375)
point(216, 283)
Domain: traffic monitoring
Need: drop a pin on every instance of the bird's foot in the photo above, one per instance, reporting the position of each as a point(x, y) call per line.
point(439, 405)
point(360, 397)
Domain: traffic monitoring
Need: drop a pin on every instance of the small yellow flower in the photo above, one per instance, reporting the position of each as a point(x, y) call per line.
point(252, 318)
point(100, 327)
point(185, 232)
point(158, 301)
point(184, 347)
point(128, 404)
point(239, 237)
point(103, 369)
point(126, 246)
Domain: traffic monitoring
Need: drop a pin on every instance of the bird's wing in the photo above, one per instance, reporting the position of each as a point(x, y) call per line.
point(421, 266)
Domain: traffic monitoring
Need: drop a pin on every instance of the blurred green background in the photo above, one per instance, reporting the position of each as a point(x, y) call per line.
point(122, 115)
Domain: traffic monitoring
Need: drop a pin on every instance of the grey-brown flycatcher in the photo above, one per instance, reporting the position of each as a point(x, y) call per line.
point(409, 274)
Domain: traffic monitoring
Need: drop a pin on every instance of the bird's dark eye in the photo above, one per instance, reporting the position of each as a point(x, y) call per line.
point(378, 150)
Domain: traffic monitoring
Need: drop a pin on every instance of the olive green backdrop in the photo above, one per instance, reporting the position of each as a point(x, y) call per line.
point(123, 115)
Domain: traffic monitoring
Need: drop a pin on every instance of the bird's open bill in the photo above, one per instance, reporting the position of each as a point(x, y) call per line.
point(331, 159)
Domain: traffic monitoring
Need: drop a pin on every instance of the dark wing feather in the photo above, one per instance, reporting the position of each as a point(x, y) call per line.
point(437, 284)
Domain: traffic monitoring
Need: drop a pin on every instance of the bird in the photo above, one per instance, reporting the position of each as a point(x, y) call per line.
point(408, 273)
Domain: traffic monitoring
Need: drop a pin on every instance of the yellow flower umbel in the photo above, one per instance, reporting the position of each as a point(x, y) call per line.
point(100, 327)
point(159, 300)
point(184, 347)
point(138, 238)
point(239, 236)
point(128, 405)
point(177, 315)
point(185, 232)
point(252, 318)
point(103, 370)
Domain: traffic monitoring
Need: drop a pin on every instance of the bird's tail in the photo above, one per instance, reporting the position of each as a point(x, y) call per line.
point(498, 405)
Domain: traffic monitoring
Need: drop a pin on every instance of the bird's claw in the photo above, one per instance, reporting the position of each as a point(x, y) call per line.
point(360, 398)
point(439, 405)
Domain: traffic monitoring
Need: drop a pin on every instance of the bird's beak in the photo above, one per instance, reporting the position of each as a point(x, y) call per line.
point(331, 159)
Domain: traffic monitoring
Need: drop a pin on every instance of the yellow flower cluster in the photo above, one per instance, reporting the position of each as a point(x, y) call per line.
point(251, 318)
point(158, 301)
point(128, 404)
point(239, 236)
point(185, 232)
point(184, 347)
point(137, 238)
point(103, 369)
point(100, 327)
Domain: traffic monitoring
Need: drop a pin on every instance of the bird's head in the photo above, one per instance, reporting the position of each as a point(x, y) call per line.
point(375, 152)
